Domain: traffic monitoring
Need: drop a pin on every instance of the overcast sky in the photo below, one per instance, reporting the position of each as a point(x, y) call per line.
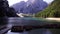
point(11, 2)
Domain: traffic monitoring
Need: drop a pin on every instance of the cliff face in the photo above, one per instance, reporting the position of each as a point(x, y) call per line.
point(19, 6)
point(52, 10)
point(31, 6)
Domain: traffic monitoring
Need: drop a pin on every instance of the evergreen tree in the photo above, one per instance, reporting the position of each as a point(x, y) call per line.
point(53, 10)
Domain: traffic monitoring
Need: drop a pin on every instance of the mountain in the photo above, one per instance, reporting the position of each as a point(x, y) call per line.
point(31, 6)
point(19, 5)
point(53, 10)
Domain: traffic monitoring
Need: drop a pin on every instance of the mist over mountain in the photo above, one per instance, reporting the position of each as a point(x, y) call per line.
point(31, 6)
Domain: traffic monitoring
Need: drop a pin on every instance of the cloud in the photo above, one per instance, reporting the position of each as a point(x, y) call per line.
point(48, 1)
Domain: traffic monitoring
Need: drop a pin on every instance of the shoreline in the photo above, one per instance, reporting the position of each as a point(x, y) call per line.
point(56, 19)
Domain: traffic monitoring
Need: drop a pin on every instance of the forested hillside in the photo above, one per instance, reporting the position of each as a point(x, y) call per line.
point(53, 10)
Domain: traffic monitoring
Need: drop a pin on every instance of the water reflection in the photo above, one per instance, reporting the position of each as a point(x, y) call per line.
point(31, 21)
point(3, 20)
point(37, 31)
point(9, 32)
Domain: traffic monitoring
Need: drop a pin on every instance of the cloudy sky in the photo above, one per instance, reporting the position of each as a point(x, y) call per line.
point(11, 2)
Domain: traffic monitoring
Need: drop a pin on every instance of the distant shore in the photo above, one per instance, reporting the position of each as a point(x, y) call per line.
point(57, 19)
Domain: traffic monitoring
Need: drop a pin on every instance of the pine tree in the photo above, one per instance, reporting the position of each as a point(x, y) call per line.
point(53, 10)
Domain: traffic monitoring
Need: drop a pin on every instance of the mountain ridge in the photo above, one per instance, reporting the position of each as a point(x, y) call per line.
point(28, 7)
